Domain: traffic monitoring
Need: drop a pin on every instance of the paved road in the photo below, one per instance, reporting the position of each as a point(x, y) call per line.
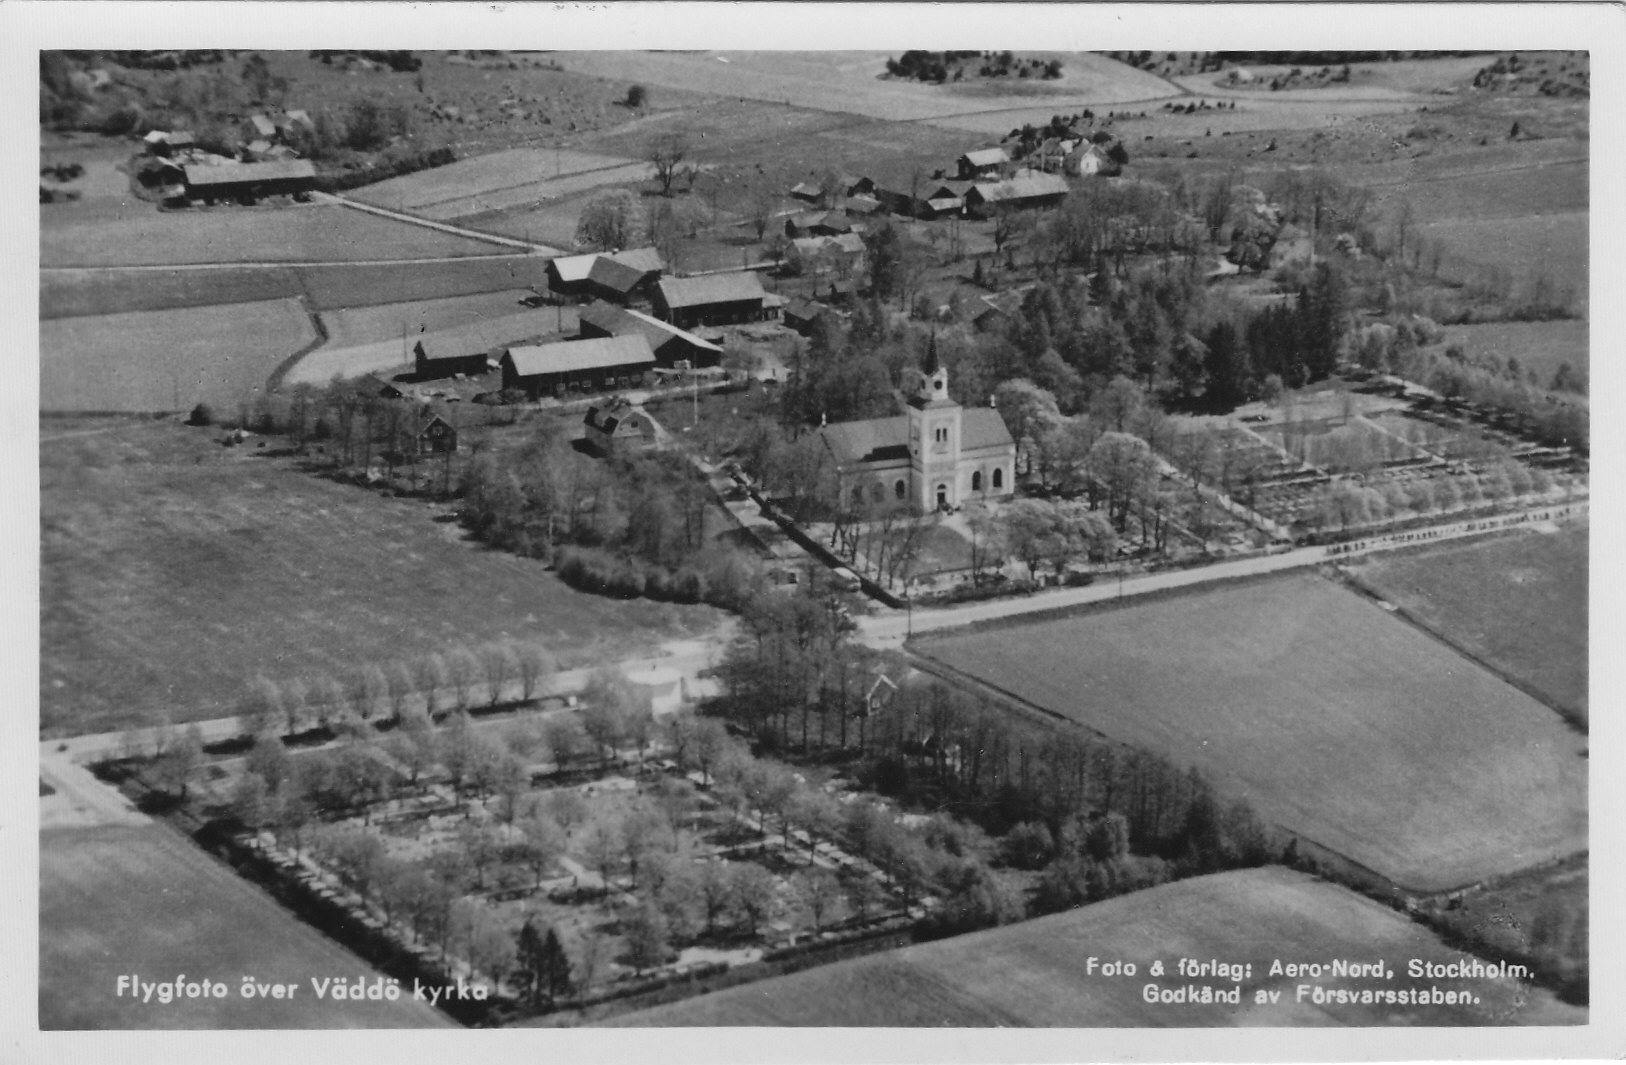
point(892, 628)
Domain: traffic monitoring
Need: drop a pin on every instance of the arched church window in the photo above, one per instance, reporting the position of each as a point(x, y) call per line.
point(976, 480)
point(999, 477)
point(900, 489)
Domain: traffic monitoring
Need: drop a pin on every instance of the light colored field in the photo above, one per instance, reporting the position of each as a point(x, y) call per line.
point(1541, 346)
point(1333, 718)
point(517, 177)
point(173, 570)
point(141, 900)
point(1034, 974)
point(849, 81)
point(366, 340)
point(1539, 189)
point(1519, 603)
point(1553, 244)
point(167, 360)
point(302, 233)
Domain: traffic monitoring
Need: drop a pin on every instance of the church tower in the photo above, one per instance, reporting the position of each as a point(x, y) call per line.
point(934, 438)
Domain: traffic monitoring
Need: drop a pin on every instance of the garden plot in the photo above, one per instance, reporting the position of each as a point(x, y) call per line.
point(450, 839)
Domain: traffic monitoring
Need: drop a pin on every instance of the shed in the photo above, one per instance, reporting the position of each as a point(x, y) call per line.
point(982, 163)
point(619, 424)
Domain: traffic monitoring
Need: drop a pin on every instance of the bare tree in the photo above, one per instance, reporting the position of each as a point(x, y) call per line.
point(496, 665)
point(398, 683)
point(668, 151)
point(533, 664)
point(430, 674)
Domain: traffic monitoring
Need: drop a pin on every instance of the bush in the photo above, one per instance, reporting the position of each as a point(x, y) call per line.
point(201, 415)
point(637, 96)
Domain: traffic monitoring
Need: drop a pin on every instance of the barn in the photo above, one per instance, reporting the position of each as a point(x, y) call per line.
point(713, 299)
point(670, 344)
point(618, 276)
point(427, 368)
point(248, 182)
point(576, 365)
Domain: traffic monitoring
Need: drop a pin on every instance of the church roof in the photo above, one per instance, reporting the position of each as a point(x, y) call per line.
point(871, 440)
point(887, 439)
point(982, 427)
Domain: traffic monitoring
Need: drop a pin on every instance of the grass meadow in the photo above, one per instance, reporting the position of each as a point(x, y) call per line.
point(329, 286)
point(173, 570)
point(124, 900)
point(1332, 717)
point(167, 360)
point(1033, 974)
point(85, 237)
point(1518, 603)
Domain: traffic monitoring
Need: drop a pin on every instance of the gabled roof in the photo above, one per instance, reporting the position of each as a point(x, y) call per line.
point(710, 288)
point(986, 157)
point(573, 267)
point(982, 427)
point(596, 354)
point(807, 219)
point(614, 274)
point(620, 321)
point(232, 173)
point(653, 327)
point(646, 259)
point(1029, 184)
point(871, 440)
point(263, 125)
point(862, 204)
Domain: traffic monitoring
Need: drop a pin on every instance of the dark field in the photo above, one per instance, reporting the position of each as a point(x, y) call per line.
point(1334, 719)
point(142, 901)
point(1518, 603)
point(1033, 974)
point(173, 570)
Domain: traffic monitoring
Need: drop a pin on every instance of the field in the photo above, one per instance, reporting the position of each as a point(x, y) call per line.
point(1539, 346)
point(1334, 719)
point(1517, 603)
point(520, 176)
point(126, 900)
point(1552, 244)
point(851, 81)
point(84, 235)
point(173, 570)
point(167, 360)
point(1031, 974)
point(369, 339)
point(65, 293)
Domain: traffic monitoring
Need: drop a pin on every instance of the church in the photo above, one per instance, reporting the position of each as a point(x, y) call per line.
point(936, 456)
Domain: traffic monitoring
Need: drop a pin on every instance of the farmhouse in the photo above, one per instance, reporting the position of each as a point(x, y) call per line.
point(801, 314)
point(935, 456)
point(435, 435)
point(842, 256)
point(1029, 188)
point(619, 425)
point(426, 368)
point(713, 299)
point(1052, 154)
point(1086, 159)
point(984, 163)
point(576, 365)
point(670, 344)
point(618, 276)
point(821, 224)
point(247, 182)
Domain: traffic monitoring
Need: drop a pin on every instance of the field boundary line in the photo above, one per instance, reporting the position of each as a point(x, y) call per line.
point(1358, 585)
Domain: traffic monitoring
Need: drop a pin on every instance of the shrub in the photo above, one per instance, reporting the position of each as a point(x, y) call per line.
point(201, 415)
point(637, 95)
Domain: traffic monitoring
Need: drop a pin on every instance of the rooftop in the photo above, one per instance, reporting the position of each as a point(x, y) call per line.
point(711, 288)
point(575, 355)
